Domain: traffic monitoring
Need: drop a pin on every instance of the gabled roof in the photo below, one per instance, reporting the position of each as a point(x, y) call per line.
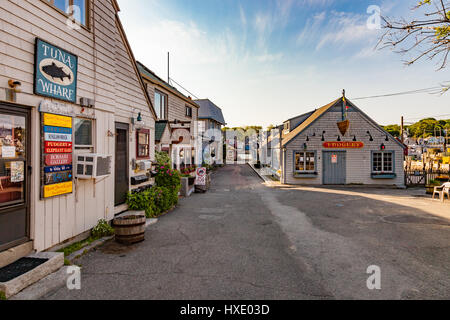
point(209, 110)
point(316, 115)
point(149, 75)
point(160, 127)
point(319, 112)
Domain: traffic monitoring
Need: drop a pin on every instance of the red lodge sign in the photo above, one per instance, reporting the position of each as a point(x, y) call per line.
point(343, 145)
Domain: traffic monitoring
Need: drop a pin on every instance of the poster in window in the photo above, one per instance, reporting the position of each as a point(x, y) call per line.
point(334, 158)
point(8, 151)
point(17, 171)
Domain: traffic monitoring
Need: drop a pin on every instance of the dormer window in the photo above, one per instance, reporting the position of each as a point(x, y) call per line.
point(75, 9)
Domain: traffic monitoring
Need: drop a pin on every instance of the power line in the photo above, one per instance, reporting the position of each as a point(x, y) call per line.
point(425, 90)
point(172, 80)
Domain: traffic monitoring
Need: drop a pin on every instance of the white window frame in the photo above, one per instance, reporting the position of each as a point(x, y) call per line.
point(305, 161)
point(89, 148)
point(383, 153)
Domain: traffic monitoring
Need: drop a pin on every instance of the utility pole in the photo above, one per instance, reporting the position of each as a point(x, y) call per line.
point(402, 130)
point(168, 67)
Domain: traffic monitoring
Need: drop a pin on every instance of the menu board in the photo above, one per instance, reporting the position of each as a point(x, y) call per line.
point(56, 162)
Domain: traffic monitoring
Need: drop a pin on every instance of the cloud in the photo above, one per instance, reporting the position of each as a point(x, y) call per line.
point(242, 16)
point(345, 28)
point(312, 29)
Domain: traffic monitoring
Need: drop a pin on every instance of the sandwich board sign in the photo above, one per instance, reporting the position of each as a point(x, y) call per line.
point(55, 74)
point(201, 177)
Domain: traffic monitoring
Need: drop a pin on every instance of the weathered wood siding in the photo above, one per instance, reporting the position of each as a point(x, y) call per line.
point(176, 106)
point(106, 74)
point(358, 160)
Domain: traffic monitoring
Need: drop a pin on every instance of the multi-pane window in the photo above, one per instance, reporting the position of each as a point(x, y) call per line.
point(84, 133)
point(305, 161)
point(383, 162)
point(143, 144)
point(76, 9)
point(161, 105)
point(188, 111)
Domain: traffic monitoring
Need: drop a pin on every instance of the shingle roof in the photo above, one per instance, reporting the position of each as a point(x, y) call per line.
point(160, 127)
point(308, 122)
point(319, 112)
point(209, 110)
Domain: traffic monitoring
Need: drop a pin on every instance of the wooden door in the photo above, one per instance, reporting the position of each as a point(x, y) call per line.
point(121, 161)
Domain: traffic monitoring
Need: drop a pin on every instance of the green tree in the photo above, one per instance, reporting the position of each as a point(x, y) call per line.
point(393, 129)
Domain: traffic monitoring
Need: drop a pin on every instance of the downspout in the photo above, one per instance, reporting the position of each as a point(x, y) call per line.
point(284, 166)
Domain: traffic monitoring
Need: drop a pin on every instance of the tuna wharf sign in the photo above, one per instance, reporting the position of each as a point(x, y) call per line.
point(55, 72)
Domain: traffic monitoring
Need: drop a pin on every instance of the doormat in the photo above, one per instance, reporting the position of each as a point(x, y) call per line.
point(19, 268)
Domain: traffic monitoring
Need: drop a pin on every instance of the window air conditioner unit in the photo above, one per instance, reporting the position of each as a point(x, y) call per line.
point(93, 166)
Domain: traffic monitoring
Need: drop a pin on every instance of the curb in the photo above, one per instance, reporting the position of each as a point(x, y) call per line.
point(267, 181)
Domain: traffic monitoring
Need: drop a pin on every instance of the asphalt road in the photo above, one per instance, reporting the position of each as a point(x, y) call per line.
point(244, 240)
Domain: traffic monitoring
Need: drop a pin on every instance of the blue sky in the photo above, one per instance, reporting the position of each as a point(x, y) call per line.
point(264, 61)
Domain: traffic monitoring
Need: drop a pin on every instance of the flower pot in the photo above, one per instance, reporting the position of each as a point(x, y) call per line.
point(130, 229)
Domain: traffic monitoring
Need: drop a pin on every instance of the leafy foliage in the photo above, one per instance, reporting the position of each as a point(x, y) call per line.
point(163, 159)
point(102, 229)
point(423, 129)
point(160, 198)
point(394, 130)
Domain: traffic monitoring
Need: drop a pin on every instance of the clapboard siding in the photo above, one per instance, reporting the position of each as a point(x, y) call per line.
point(358, 160)
point(106, 73)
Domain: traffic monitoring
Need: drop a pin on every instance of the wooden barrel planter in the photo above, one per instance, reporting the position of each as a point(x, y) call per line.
point(130, 229)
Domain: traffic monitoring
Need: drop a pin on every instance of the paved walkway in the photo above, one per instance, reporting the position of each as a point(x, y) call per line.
point(245, 240)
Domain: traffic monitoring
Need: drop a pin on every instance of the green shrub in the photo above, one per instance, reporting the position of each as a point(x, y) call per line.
point(166, 177)
point(163, 159)
point(161, 197)
point(153, 201)
point(102, 229)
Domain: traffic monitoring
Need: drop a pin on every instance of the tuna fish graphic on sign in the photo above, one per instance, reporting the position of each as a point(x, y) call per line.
point(55, 72)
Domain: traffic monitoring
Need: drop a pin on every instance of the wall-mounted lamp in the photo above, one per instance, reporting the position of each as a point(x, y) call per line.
point(354, 138)
point(14, 85)
point(139, 118)
point(323, 135)
point(305, 146)
point(338, 138)
point(307, 138)
point(387, 138)
point(371, 138)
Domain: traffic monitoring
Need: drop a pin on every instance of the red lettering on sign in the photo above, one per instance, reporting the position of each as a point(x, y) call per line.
point(58, 159)
point(343, 145)
point(58, 150)
point(52, 144)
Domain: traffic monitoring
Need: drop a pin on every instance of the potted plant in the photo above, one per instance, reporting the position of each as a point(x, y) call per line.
point(442, 179)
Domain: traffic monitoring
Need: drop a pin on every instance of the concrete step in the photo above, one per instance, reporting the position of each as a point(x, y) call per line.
point(14, 286)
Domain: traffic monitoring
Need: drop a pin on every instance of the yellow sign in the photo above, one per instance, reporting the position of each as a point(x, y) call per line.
point(58, 189)
point(54, 120)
